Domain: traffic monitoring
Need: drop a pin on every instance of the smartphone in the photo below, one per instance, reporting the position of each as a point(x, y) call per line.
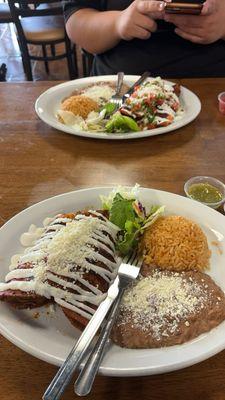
point(184, 7)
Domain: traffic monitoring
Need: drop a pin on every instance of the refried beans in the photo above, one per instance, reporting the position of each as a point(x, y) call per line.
point(167, 308)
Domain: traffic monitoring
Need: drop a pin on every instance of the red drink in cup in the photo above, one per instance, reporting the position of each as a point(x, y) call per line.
point(221, 99)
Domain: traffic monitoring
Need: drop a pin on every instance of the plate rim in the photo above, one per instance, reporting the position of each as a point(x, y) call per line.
point(126, 136)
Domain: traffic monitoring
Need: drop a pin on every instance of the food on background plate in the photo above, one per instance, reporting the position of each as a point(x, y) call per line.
point(175, 243)
point(167, 308)
point(82, 107)
point(101, 92)
point(155, 103)
point(79, 105)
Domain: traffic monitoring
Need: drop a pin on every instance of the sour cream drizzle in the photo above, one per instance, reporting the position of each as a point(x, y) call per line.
point(66, 248)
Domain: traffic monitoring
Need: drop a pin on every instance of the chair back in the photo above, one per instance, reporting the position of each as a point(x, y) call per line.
point(22, 9)
point(30, 8)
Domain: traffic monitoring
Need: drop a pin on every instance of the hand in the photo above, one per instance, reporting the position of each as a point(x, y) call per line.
point(137, 20)
point(208, 27)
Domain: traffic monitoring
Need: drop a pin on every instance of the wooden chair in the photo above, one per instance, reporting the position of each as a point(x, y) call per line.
point(87, 60)
point(3, 71)
point(5, 14)
point(5, 18)
point(42, 24)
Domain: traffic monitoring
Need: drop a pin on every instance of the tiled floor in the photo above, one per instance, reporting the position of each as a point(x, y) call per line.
point(10, 55)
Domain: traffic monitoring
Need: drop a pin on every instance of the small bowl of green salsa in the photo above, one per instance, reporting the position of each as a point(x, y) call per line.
point(205, 189)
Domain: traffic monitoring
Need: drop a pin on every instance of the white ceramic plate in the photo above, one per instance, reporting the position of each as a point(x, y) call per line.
point(50, 338)
point(48, 103)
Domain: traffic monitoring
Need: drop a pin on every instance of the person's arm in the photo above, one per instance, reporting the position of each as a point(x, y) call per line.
point(93, 30)
point(98, 31)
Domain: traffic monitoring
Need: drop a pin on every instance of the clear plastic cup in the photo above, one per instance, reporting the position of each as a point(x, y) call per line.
point(212, 181)
point(221, 99)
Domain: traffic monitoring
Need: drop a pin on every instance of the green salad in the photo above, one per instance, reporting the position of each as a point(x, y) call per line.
point(129, 214)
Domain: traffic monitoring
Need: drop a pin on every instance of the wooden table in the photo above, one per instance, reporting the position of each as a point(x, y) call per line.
point(37, 162)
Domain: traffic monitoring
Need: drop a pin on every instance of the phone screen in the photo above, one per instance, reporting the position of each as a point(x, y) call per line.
point(184, 6)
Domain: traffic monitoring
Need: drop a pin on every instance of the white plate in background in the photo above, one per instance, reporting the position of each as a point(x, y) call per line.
point(48, 103)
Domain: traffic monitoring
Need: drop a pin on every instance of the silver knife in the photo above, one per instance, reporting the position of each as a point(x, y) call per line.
point(65, 373)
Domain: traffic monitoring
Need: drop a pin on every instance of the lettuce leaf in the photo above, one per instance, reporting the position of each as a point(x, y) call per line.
point(121, 123)
point(126, 212)
point(154, 214)
point(129, 239)
point(109, 108)
point(121, 211)
point(127, 193)
point(129, 242)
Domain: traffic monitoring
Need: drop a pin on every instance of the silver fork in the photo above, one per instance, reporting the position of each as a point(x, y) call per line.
point(128, 271)
point(76, 355)
point(117, 98)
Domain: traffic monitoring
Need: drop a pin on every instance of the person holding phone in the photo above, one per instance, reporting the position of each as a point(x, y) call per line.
point(134, 36)
point(204, 29)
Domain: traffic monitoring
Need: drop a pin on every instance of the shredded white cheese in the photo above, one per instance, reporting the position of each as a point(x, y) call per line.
point(159, 302)
point(99, 92)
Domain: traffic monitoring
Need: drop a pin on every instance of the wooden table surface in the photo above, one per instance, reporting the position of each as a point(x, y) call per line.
point(37, 162)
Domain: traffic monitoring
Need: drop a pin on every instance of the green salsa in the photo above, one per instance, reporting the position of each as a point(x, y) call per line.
point(205, 193)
